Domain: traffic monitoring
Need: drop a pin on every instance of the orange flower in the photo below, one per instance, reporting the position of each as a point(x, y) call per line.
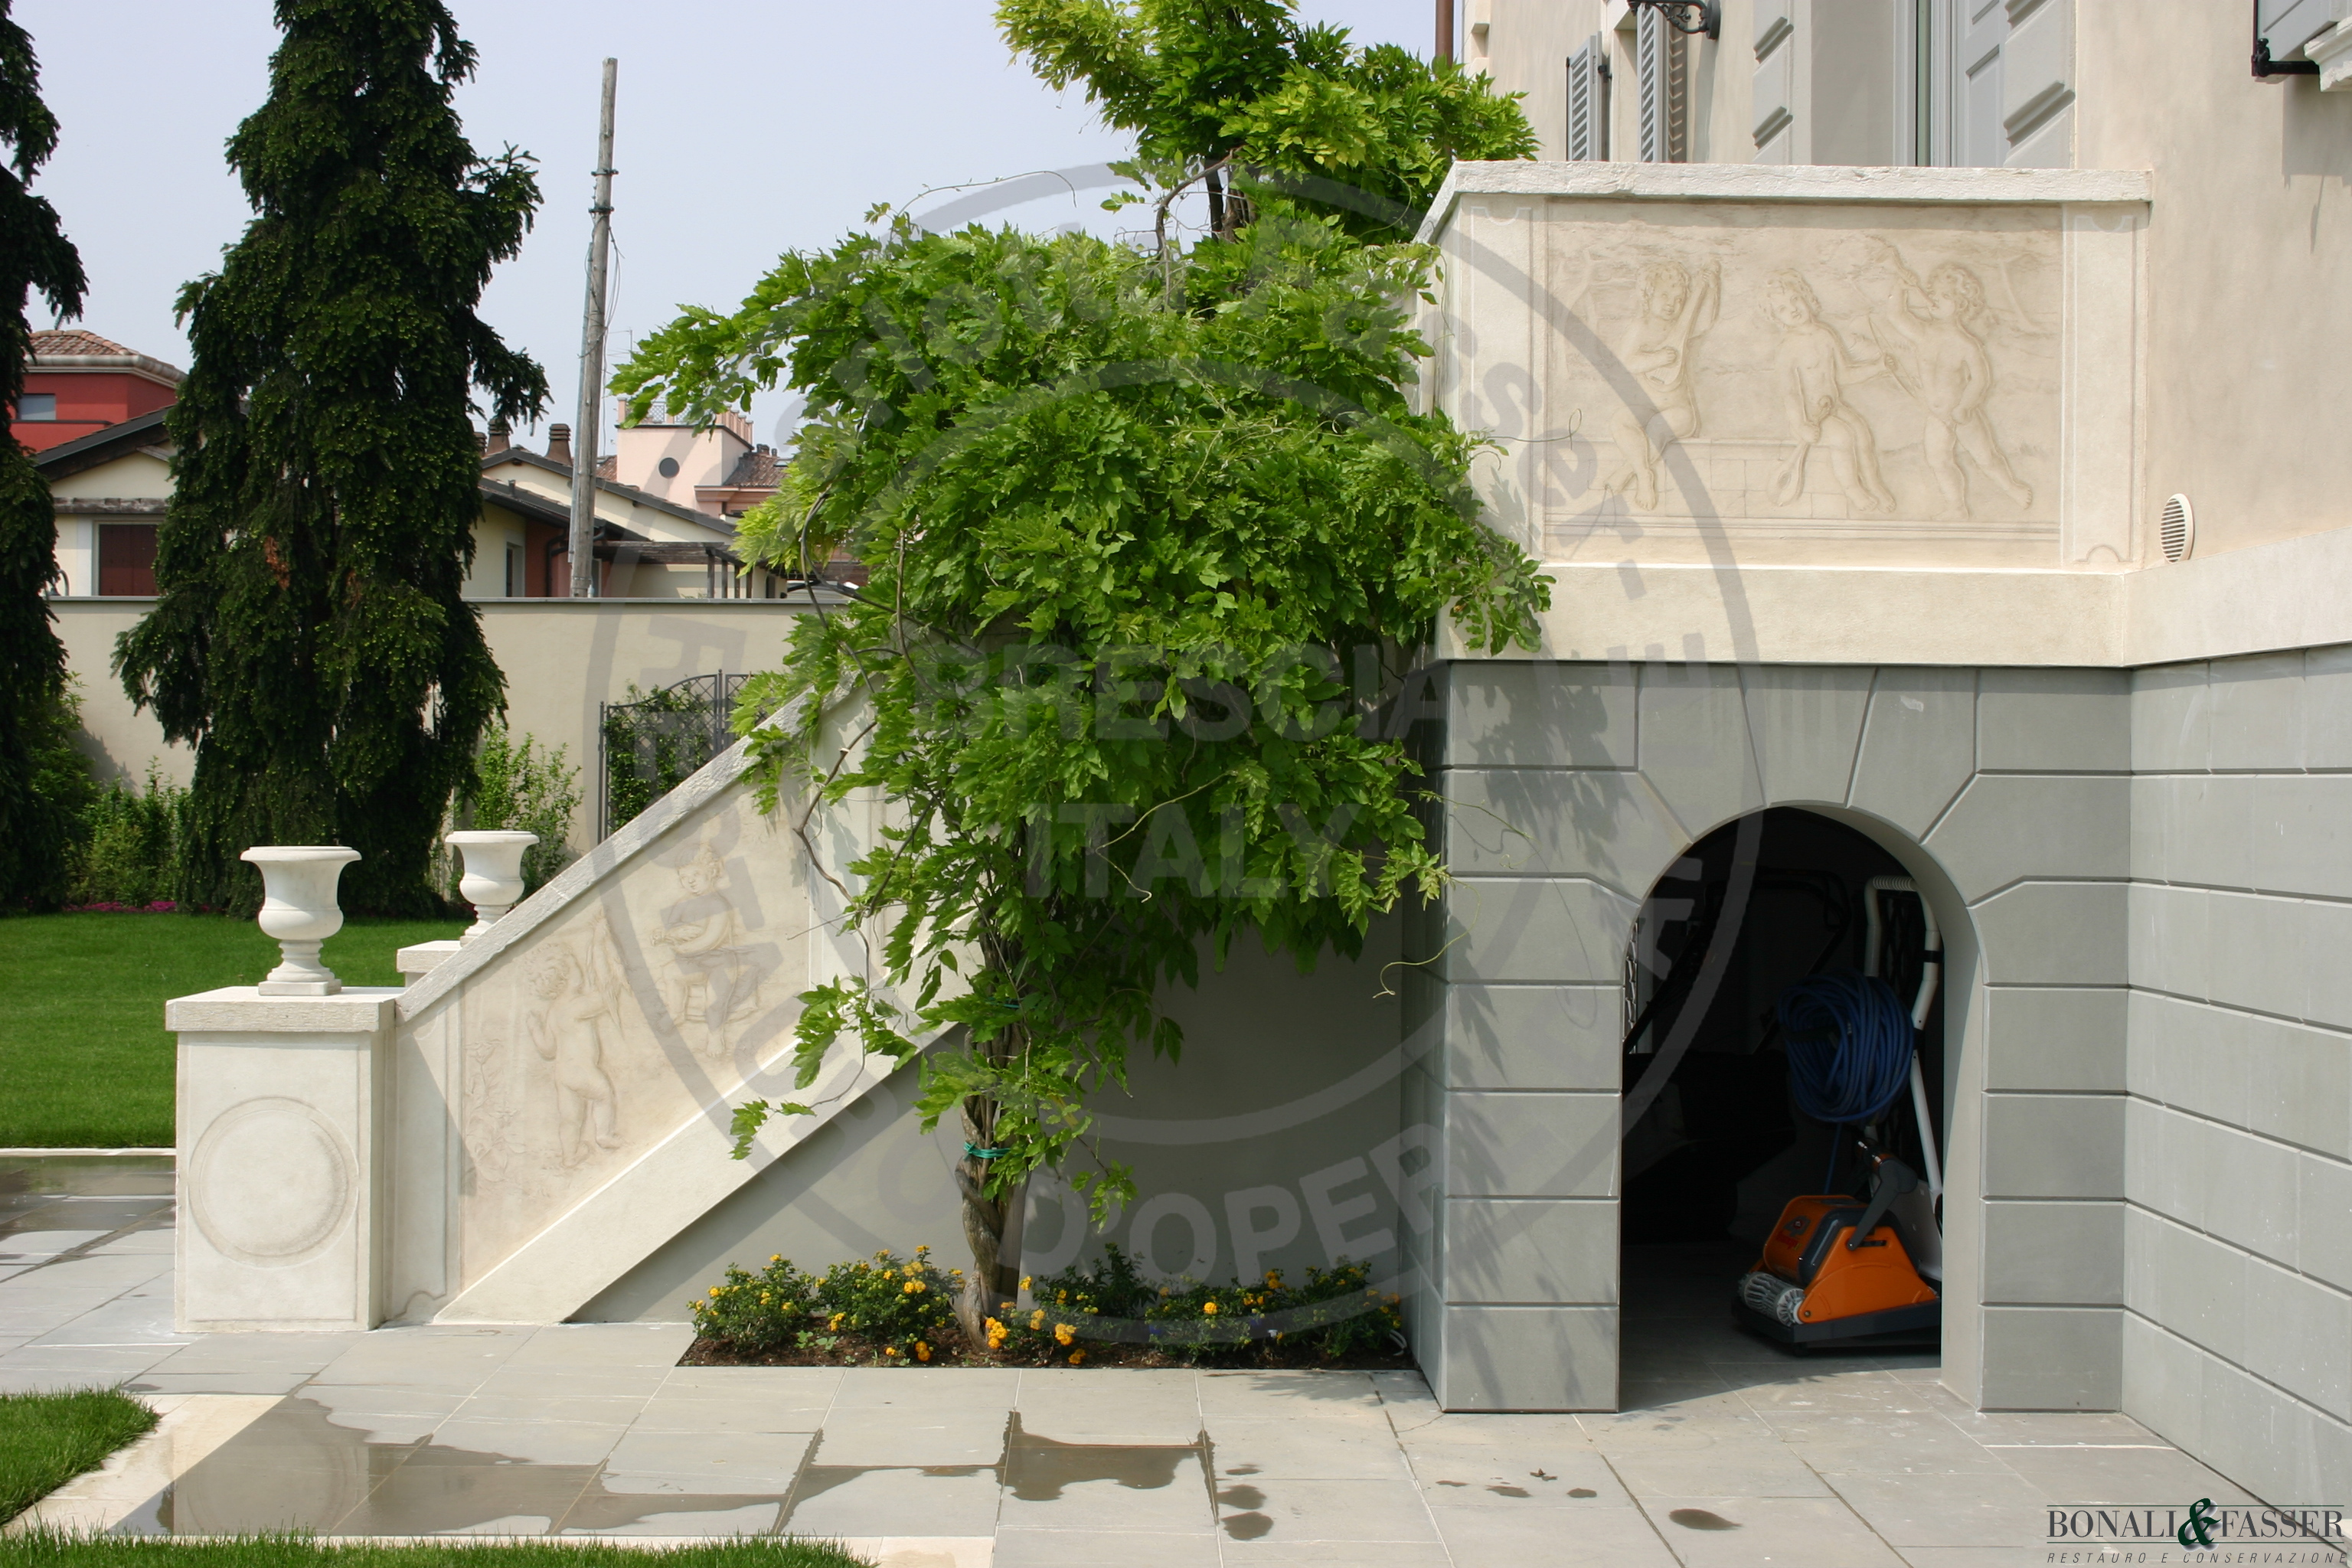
point(1077, 1358)
point(1211, 1308)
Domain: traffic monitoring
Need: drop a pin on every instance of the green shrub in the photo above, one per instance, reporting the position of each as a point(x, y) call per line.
point(516, 785)
point(891, 1310)
point(897, 1312)
point(129, 851)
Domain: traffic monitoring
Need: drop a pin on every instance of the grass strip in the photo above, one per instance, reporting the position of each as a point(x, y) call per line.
point(39, 1549)
point(47, 1439)
point(84, 1054)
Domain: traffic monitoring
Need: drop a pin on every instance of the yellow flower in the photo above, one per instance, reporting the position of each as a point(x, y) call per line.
point(775, 1257)
point(890, 1350)
point(922, 1252)
point(1064, 1334)
point(889, 1274)
point(1025, 1282)
point(714, 1292)
point(958, 1273)
point(832, 1324)
point(1272, 1279)
point(1061, 1295)
point(1211, 1308)
point(922, 1351)
point(911, 1287)
point(1037, 1319)
point(1077, 1357)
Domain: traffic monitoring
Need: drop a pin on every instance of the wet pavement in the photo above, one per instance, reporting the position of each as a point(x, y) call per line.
point(1729, 1450)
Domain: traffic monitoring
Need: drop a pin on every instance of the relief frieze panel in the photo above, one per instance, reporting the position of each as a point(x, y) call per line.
point(1739, 375)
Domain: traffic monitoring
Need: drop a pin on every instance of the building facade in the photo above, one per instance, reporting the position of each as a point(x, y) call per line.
point(1902, 400)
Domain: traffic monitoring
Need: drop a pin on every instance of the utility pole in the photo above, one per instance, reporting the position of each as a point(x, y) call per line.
point(591, 359)
point(1444, 30)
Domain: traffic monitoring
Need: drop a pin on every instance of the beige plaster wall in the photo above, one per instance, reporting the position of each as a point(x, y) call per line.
point(2246, 247)
point(561, 657)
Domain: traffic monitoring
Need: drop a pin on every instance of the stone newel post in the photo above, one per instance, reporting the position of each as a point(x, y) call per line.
point(283, 1088)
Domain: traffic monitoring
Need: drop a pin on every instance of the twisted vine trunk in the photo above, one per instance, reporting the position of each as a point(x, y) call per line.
point(991, 1229)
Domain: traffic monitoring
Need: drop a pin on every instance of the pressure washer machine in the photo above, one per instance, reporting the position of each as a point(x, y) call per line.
point(1840, 1271)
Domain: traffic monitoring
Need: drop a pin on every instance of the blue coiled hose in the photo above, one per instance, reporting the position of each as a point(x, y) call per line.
point(1850, 1041)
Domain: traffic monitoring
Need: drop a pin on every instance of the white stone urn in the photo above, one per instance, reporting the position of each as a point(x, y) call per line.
point(299, 908)
point(493, 879)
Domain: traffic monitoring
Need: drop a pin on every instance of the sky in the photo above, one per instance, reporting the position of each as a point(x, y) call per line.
point(743, 130)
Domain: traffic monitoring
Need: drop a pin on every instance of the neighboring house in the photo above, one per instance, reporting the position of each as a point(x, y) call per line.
point(672, 597)
point(78, 384)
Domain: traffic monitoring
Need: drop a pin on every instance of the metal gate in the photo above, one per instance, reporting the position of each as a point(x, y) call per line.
point(651, 744)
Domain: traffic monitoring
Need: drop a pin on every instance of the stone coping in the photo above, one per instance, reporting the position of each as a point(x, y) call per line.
point(1782, 182)
point(243, 1009)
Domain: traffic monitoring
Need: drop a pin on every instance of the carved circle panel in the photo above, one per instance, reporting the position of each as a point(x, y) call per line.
point(271, 1183)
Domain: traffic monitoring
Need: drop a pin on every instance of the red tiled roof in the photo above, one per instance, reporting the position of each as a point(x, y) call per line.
point(74, 341)
point(608, 467)
point(756, 470)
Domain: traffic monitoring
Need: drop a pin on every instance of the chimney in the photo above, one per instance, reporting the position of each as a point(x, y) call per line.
point(558, 444)
point(500, 438)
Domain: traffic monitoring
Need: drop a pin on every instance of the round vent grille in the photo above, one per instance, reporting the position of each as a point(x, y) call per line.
point(2178, 529)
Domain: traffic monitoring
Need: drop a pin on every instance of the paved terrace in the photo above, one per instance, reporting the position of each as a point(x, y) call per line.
point(1730, 1451)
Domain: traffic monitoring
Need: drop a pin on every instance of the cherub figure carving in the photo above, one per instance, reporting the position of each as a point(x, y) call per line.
point(716, 969)
point(1813, 369)
point(1929, 333)
point(579, 995)
point(1674, 310)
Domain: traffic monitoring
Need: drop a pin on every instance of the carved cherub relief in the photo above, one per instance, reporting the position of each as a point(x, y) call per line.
point(1813, 368)
point(1929, 332)
point(1673, 311)
point(579, 986)
point(715, 969)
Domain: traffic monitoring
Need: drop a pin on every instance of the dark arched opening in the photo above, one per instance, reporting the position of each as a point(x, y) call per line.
point(1717, 1146)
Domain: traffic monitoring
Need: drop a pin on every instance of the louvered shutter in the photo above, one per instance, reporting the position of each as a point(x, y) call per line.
point(1654, 91)
point(1588, 100)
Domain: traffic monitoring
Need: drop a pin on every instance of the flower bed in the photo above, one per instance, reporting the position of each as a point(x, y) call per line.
point(895, 1311)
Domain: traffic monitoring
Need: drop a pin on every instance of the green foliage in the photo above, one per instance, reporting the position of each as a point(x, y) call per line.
point(36, 822)
point(130, 852)
point(517, 786)
point(895, 1312)
point(890, 1311)
point(1333, 1313)
point(47, 1439)
point(1365, 133)
point(312, 638)
point(1152, 544)
point(1143, 578)
point(654, 742)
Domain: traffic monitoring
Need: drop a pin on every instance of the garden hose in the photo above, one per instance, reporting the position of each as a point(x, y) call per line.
point(1850, 1041)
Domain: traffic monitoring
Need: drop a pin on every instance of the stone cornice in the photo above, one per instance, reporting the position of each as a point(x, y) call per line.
point(1783, 182)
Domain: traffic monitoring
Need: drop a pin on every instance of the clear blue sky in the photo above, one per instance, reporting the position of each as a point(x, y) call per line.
point(745, 130)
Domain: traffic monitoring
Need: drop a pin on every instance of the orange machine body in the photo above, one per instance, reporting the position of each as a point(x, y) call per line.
point(1809, 1249)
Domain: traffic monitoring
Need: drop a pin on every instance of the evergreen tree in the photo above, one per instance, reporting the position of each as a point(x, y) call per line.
point(311, 639)
point(35, 824)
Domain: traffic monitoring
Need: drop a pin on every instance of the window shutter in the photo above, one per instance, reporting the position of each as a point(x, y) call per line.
point(1588, 100)
point(1653, 92)
point(1776, 82)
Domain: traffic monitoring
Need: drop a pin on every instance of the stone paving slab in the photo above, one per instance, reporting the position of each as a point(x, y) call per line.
point(1736, 1453)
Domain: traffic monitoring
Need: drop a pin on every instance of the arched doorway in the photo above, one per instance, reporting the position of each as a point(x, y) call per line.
point(1714, 1143)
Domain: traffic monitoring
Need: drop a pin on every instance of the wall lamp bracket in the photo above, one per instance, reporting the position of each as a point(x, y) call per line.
point(1689, 17)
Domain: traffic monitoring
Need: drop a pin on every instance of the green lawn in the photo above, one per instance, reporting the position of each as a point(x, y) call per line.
point(35, 1551)
point(84, 1057)
point(47, 1439)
